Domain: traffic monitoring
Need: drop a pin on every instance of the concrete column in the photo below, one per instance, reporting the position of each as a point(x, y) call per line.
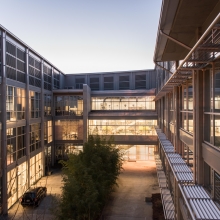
point(176, 119)
point(86, 110)
point(53, 131)
point(42, 118)
point(27, 116)
point(198, 125)
point(4, 127)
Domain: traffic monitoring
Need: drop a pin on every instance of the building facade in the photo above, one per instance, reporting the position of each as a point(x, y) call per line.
point(187, 98)
point(46, 114)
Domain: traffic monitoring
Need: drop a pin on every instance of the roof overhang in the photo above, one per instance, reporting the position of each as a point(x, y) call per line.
point(185, 21)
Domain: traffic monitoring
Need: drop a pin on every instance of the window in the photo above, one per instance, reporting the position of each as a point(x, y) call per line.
point(56, 79)
point(122, 127)
point(187, 111)
point(34, 104)
point(48, 132)
point(47, 70)
point(15, 103)
point(94, 83)
point(123, 103)
point(140, 81)
point(79, 83)
point(68, 130)
point(15, 62)
point(108, 83)
point(35, 137)
point(34, 72)
point(124, 82)
point(15, 144)
point(47, 105)
point(69, 105)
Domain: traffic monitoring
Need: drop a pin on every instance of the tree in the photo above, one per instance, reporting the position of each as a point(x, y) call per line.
point(89, 178)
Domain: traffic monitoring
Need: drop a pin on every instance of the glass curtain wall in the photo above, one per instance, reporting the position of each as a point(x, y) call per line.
point(69, 130)
point(69, 105)
point(122, 127)
point(15, 103)
point(123, 103)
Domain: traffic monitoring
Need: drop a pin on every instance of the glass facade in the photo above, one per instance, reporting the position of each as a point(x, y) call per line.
point(123, 103)
point(69, 130)
point(122, 127)
point(15, 103)
point(68, 105)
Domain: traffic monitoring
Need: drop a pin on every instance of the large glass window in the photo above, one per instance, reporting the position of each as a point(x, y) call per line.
point(187, 111)
point(48, 132)
point(123, 103)
point(34, 104)
point(69, 105)
point(69, 130)
point(15, 144)
point(35, 168)
point(35, 137)
point(47, 105)
point(15, 103)
point(122, 127)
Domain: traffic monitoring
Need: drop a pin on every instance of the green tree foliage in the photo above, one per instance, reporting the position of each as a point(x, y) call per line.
point(88, 179)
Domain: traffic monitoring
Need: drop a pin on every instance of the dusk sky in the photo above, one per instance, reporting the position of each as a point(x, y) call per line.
point(83, 36)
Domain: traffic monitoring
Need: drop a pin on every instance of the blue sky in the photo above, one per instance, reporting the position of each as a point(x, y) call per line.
point(82, 36)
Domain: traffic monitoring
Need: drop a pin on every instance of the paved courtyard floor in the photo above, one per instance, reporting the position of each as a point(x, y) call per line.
point(137, 181)
point(43, 212)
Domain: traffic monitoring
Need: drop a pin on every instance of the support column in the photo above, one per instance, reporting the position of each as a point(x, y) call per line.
point(4, 127)
point(27, 117)
point(42, 120)
point(176, 119)
point(198, 125)
point(86, 110)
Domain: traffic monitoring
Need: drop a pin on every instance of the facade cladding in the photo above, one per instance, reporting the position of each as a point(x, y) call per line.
point(45, 115)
